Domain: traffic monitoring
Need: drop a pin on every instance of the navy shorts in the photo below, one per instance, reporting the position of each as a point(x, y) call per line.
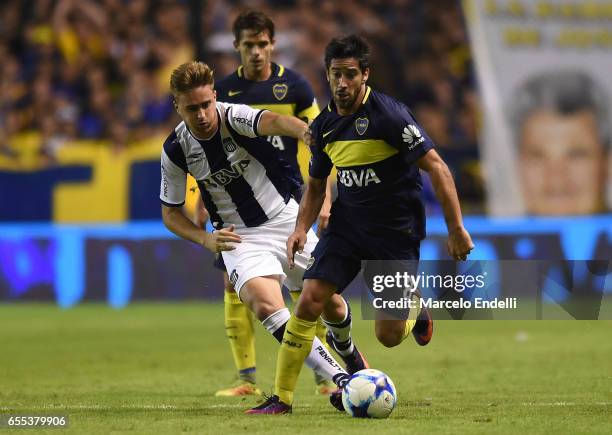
point(342, 250)
point(219, 263)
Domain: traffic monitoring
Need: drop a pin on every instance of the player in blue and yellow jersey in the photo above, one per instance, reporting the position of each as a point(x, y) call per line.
point(378, 148)
point(263, 84)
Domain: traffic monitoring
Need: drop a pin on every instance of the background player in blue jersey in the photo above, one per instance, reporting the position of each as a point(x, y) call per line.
point(378, 149)
point(247, 190)
point(263, 84)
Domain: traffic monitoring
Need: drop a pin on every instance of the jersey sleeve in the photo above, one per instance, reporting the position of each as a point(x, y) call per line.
point(173, 173)
point(244, 119)
point(306, 107)
point(320, 164)
point(403, 132)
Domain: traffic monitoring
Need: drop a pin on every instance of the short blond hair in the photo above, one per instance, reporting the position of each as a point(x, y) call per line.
point(191, 75)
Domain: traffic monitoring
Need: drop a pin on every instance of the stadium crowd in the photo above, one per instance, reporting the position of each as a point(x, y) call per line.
point(97, 69)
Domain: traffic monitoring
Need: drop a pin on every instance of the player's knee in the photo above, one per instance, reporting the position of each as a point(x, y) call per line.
point(261, 307)
point(389, 337)
point(309, 306)
point(229, 289)
point(265, 309)
point(335, 309)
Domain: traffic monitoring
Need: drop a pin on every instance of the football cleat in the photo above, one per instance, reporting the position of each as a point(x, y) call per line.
point(241, 388)
point(271, 406)
point(423, 328)
point(353, 362)
point(335, 398)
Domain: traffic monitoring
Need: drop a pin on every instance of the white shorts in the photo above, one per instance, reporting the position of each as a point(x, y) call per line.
point(263, 251)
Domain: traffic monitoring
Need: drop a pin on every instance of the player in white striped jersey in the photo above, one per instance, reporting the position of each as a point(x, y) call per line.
point(246, 189)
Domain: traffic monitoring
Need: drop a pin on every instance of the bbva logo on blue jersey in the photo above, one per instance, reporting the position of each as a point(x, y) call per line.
point(225, 176)
point(357, 177)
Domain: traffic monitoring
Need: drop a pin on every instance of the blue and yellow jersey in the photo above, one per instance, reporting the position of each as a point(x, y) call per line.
point(374, 151)
point(285, 92)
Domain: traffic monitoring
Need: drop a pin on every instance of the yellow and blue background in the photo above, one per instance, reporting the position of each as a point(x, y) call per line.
point(88, 228)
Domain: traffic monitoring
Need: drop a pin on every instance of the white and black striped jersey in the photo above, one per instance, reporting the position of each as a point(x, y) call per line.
point(242, 179)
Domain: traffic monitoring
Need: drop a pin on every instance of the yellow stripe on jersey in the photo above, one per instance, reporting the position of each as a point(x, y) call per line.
point(281, 109)
point(281, 70)
point(310, 113)
point(367, 94)
point(345, 153)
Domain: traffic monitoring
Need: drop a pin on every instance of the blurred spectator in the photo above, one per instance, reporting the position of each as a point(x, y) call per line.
point(98, 68)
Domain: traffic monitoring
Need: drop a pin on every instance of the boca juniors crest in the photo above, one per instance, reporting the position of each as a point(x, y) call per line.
point(361, 125)
point(280, 91)
point(229, 145)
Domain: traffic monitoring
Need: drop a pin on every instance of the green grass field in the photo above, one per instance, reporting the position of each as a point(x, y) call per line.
point(154, 368)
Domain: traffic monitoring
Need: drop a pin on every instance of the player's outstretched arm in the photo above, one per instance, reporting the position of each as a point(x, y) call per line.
point(311, 203)
point(221, 240)
point(459, 240)
point(200, 214)
point(273, 124)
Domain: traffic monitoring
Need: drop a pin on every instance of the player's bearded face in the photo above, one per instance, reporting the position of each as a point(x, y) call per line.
point(255, 52)
point(347, 82)
point(198, 109)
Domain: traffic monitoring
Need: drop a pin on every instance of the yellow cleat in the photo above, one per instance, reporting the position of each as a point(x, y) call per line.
point(325, 388)
point(241, 388)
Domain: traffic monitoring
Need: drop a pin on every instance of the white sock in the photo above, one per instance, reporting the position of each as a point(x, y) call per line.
point(324, 364)
point(342, 332)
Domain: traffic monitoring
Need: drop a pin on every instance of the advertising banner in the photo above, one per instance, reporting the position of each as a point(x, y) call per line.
point(543, 69)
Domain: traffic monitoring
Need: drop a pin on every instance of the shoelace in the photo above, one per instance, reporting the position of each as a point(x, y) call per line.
point(268, 400)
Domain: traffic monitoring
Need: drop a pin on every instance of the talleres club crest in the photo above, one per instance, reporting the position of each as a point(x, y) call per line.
point(280, 91)
point(361, 125)
point(229, 145)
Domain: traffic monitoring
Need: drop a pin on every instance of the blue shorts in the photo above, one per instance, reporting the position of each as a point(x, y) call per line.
point(341, 250)
point(219, 263)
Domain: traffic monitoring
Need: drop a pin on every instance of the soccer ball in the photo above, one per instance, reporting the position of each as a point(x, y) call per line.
point(369, 394)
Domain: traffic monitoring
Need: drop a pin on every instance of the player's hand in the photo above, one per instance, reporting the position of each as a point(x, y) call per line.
point(307, 137)
point(295, 243)
point(222, 240)
point(324, 215)
point(323, 222)
point(459, 244)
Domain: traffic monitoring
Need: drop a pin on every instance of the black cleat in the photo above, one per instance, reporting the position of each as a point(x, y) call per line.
point(353, 362)
point(335, 399)
point(423, 328)
point(272, 406)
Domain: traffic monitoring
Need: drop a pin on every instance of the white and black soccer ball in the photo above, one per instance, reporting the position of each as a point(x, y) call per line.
point(369, 394)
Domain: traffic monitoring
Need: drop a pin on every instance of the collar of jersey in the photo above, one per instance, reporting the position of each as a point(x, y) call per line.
point(277, 71)
point(332, 106)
